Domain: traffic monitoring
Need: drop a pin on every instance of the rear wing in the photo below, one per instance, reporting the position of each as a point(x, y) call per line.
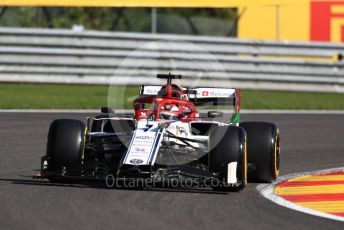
point(213, 96)
point(150, 90)
point(201, 96)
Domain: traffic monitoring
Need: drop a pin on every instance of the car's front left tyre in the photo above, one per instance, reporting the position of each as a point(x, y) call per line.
point(227, 158)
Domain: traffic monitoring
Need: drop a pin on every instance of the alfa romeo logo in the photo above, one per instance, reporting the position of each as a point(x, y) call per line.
point(136, 161)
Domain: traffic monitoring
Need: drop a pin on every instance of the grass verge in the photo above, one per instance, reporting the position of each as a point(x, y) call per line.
point(51, 96)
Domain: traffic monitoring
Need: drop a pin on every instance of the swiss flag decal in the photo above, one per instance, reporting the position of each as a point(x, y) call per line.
point(205, 93)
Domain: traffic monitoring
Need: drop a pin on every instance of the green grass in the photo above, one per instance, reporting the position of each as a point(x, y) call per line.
point(51, 96)
point(291, 100)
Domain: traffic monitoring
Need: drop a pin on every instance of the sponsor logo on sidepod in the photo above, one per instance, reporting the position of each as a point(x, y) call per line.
point(136, 161)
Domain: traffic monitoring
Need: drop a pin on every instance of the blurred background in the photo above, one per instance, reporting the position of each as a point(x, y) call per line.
point(200, 21)
point(285, 54)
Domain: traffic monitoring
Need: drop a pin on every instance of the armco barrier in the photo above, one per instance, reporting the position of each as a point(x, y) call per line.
point(94, 57)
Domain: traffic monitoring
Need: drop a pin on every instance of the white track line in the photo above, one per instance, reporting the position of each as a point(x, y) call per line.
point(244, 111)
point(267, 190)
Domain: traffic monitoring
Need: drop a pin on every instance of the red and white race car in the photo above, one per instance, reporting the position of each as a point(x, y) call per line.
point(166, 143)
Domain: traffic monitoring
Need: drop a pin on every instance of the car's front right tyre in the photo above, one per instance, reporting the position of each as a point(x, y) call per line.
point(66, 141)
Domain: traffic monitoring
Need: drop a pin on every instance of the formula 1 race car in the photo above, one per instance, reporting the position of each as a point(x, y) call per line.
point(166, 142)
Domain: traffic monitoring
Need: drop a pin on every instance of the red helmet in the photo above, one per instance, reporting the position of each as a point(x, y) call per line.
point(172, 90)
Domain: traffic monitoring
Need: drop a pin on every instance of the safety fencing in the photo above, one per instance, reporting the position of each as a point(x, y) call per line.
point(94, 57)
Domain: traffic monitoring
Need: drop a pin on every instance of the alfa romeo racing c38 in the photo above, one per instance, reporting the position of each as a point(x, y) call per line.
point(166, 140)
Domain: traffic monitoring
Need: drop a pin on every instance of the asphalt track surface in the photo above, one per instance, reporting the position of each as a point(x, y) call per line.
point(309, 142)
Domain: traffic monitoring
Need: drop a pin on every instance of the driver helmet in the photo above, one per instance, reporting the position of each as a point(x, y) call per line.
point(174, 108)
point(169, 116)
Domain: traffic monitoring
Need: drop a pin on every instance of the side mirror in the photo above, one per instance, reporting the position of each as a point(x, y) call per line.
point(107, 110)
point(214, 114)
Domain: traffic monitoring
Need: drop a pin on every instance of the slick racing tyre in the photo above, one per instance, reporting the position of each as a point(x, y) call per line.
point(228, 148)
point(263, 151)
point(66, 141)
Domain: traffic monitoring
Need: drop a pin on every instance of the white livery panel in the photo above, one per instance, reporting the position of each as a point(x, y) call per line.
point(144, 145)
point(212, 93)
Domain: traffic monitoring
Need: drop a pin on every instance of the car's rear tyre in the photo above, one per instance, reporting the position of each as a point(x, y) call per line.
point(66, 141)
point(228, 145)
point(263, 151)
